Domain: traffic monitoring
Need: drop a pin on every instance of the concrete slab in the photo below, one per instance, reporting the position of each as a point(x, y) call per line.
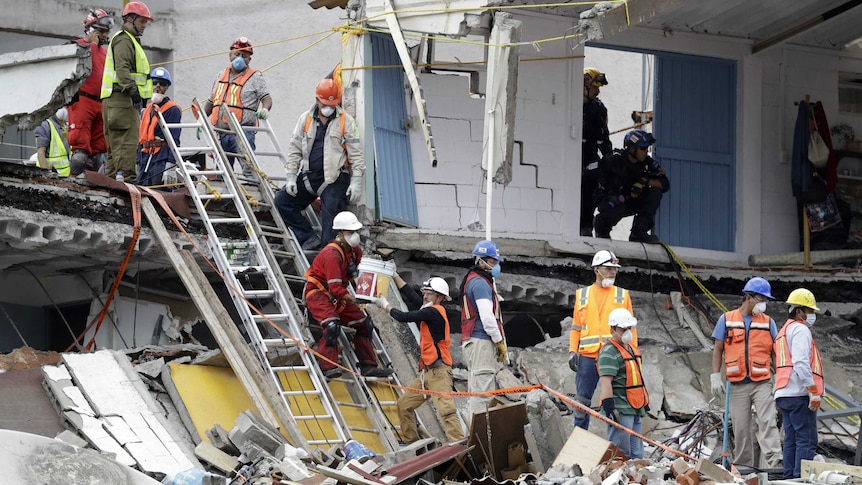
point(24, 405)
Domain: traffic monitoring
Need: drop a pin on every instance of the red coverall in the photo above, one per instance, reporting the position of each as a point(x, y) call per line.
point(324, 295)
point(86, 130)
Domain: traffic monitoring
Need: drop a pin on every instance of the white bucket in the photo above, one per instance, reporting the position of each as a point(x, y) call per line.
point(374, 278)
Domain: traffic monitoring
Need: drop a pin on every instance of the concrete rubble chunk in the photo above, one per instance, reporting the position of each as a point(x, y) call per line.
point(546, 423)
point(249, 427)
point(219, 438)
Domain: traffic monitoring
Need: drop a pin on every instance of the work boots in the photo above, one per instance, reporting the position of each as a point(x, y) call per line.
point(374, 371)
point(644, 237)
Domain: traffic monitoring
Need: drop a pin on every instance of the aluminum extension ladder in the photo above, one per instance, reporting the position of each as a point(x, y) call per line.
point(262, 269)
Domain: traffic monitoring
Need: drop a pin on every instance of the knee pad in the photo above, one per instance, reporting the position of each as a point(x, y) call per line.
point(331, 331)
point(78, 162)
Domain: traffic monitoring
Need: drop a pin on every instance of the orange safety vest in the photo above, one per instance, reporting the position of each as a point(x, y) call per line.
point(594, 317)
point(341, 118)
point(747, 353)
point(636, 393)
point(784, 361)
point(149, 121)
point(469, 311)
point(227, 92)
point(434, 349)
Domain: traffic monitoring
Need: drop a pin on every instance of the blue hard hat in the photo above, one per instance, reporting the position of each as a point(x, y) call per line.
point(639, 138)
point(487, 249)
point(760, 286)
point(161, 73)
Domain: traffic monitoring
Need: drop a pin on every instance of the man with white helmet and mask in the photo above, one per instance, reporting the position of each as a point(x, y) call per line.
point(435, 361)
point(590, 330)
point(624, 396)
point(328, 298)
point(52, 149)
point(798, 381)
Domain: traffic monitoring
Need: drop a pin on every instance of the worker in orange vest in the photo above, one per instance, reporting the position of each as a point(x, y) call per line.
point(798, 381)
point(243, 91)
point(435, 360)
point(154, 155)
point(743, 340)
point(624, 396)
point(593, 306)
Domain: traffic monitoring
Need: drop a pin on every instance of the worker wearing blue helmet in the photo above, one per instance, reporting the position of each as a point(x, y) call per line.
point(633, 184)
point(483, 342)
point(155, 160)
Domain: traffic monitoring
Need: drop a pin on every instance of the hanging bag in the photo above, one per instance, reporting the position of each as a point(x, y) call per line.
point(818, 152)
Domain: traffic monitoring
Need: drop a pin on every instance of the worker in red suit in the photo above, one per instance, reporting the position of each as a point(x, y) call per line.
point(331, 304)
point(86, 129)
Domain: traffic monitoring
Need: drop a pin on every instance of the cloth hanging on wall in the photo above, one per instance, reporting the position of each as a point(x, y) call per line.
point(800, 167)
point(830, 171)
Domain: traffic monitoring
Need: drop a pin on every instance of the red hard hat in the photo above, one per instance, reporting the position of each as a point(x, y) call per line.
point(139, 9)
point(328, 93)
point(243, 44)
point(98, 19)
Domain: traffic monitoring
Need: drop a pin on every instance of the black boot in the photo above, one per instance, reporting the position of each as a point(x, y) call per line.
point(643, 237)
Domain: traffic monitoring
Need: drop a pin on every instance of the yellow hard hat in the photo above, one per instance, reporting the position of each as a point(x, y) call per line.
point(593, 76)
point(802, 297)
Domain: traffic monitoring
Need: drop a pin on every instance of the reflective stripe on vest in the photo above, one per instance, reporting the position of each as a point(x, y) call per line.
point(229, 93)
point(784, 360)
point(433, 350)
point(469, 312)
point(591, 342)
point(57, 155)
point(747, 353)
point(636, 393)
point(149, 122)
point(141, 74)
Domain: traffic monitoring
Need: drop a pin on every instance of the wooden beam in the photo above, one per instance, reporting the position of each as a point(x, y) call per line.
point(245, 365)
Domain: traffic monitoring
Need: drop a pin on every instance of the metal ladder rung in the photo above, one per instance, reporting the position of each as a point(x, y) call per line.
point(311, 417)
point(220, 196)
point(351, 405)
point(277, 342)
point(274, 317)
point(227, 220)
point(387, 403)
point(297, 279)
point(223, 130)
point(247, 269)
point(365, 430)
point(184, 150)
point(314, 392)
point(234, 154)
point(272, 229)
point(325, 442)
point(267, 154)
point(205, 172)
point(270, 234)
point(183, 125)
point(289, 368)
point(258, 293)
point(278, 253)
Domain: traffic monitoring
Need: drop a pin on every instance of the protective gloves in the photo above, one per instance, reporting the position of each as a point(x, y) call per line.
point(137, 101)
point(382, 303)
point(502, 351)
point(573, 361)
point(716, 385)
point(262, 113)
point(170, 176)
point(355, 189)
point(290, 185)
point(610, 409)
point(813, 399)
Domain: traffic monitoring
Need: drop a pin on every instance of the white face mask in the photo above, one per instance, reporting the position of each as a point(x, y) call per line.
point(607, 281)
point(352, 239)
point(157, 98)
point(810, 318)
point(759, 308)
point(327, 111)
point(626, 337)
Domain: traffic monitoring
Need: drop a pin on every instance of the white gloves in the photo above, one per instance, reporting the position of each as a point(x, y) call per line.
point(716, 385)
point(290, 185)
point(262, 113)
point(383, 303)
point(170, 176)
point(355, 188)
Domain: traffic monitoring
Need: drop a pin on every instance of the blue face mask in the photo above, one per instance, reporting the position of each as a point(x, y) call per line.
point(495, 271)
point(238, 63)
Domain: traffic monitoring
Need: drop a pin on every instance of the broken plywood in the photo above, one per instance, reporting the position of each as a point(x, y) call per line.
point(493, 431)
point(586, 450)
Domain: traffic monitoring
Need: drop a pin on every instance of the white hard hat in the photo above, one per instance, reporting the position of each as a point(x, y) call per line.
point(439, 285)
point(346, 221)
point(621, 317)
point(605, 258)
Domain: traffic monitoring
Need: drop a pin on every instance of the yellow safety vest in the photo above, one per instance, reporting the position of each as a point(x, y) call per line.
point(57, 154)
point(140, 75)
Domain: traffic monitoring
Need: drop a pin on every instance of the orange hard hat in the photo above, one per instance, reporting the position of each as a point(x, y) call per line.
point(139, 9)
point(328, 93)
point(243, 44)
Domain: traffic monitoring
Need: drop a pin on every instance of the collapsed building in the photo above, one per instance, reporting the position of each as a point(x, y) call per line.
point(71, 258)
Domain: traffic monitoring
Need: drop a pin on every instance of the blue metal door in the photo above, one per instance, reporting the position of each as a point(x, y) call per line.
point(396, 194)
point(695, 125)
